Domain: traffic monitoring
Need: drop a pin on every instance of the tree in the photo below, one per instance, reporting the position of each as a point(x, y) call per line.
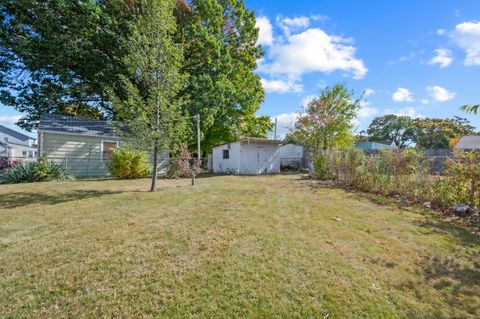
point(471, 108)
point(61, 56)
point(221, 54)
point(327, 120)
point(400, 129)
point(151, 116)
point(437, 133)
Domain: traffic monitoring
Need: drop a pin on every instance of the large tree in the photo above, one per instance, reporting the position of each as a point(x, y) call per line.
point(151, 115)
point(221, 54)
point(61, 56)
point(391, 127)
point(327, 120)
point(437, 133)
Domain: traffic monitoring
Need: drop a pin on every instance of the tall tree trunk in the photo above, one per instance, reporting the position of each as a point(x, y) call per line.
point(155, 170)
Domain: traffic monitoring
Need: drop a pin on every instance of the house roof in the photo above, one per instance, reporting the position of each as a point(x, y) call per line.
point(4, 145)
point(15, 134)
point(254, 140)
point(469, 143)
point(383, 142)
point(75, 125)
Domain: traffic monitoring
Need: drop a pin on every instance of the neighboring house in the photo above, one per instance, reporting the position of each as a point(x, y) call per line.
point(468, 143)
point(250, 156)
point(17, 145)
point(292, 156)
point(377, 145)
point(81, 146)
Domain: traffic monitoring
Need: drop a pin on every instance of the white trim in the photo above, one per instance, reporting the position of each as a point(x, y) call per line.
point(76, 134)
point(101, 148)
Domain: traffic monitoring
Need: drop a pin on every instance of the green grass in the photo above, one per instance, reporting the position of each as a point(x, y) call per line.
point(248, 247)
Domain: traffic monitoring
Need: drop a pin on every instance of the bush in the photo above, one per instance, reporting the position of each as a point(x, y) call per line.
point(183, 166)
point(7, 163)
point(40, 171)
point(129, 164)
point(404, 173)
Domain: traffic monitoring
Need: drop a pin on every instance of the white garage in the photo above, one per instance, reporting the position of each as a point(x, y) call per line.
point(250, 156)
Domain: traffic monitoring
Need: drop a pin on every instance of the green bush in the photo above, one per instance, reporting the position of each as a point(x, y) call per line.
point(129, 164)
point(40, 171)
point(404, 173)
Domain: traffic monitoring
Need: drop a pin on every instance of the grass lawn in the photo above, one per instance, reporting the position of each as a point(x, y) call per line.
point(249, 247)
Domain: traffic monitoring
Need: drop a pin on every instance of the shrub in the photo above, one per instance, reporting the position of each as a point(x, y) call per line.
point(183, 166)
point(7, 163)
point(129, 164)
point(40, 171)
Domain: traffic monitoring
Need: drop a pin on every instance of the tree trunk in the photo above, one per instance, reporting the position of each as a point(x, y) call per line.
point(155, 170)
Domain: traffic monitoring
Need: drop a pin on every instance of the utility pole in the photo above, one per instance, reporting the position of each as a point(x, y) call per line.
point(275, 134)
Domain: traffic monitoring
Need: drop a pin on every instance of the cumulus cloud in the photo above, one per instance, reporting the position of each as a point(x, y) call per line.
point(366, 110)
point(285, 122)
point(9, 119)
point(369, 92)
point(307, 100)
point(467, 36)
point(443, 58)
point(402, 95)
point(440, 94)
point(407, 111)
point(313, 50)
point(265, 34)
point(281, 86)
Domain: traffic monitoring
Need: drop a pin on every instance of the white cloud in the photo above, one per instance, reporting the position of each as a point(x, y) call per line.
point(307, 100)
point(281, 86)
point(443, 58)
point(467, 36)
point(265, 34)
point(425, 101)
point(402, 95)
point(9, 119)
point(440, 94)
point(366, 110)
point(285, 121)
point(313, 50)
point(441, 31)
point(369, 92)
point(408, 111)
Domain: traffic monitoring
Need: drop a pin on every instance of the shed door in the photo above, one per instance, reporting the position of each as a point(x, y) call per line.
point(262, 160)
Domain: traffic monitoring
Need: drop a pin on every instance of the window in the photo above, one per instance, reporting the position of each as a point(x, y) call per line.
point(226, 154)
point(24, 153)
point(107, 150)
point(30, 154)
point(5, 139)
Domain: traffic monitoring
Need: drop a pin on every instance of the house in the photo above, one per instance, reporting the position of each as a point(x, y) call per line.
point(16, 145)
point(81, 146)
point(468, 143)
point(292, 156)
point(250, 156)
point(376, 145)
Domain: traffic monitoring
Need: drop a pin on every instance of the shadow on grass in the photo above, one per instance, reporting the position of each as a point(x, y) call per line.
point(20, 199)
point(459, 283)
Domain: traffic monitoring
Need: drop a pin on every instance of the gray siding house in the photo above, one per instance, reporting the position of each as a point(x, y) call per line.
point(16, 145)
point(81, 146)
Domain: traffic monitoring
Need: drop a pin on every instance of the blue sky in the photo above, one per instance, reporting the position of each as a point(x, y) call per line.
point(419, 58)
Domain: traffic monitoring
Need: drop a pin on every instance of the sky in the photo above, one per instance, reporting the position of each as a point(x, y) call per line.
point(417, 58)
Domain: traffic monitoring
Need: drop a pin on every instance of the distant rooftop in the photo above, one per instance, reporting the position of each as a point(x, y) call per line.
point(469, 143)
point(15, 134)
point(75, 125)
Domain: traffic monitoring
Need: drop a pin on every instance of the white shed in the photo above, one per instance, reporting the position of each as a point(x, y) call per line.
point(250, 156)
point(292, 156)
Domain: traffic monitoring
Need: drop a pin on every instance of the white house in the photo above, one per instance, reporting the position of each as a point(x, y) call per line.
point(17, 145)
point(250, 156)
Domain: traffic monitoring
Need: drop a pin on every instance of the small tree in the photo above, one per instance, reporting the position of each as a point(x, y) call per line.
point(150, 111)
point(327, 120)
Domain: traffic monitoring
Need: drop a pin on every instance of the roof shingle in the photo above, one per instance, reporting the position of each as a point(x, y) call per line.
point(75, 125)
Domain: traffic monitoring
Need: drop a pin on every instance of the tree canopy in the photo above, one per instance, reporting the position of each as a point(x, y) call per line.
point(327, 120)
point(391, 127)
point(437, 133)
point(66, 56)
